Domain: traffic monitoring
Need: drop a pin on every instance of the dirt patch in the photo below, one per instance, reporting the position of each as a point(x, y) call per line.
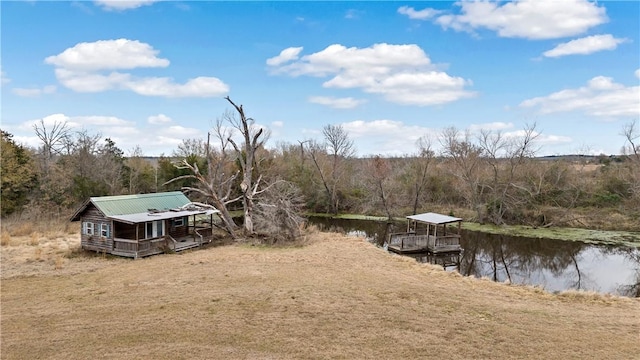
point(336, 297)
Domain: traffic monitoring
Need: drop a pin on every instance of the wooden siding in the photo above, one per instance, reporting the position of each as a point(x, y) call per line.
point(95, 242)
point(178, 231)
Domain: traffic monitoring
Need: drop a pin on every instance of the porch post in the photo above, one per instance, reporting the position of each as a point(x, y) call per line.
point(112, 231)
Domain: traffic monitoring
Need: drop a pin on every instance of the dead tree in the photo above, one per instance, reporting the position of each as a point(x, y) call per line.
point(218, 187)
point(246, 156)
point(631, 132)
point(53, 140)
point(217, 184)
point(217, 193)
point(277, 212)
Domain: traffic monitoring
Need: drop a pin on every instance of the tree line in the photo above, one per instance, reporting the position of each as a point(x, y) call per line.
point(486, 177)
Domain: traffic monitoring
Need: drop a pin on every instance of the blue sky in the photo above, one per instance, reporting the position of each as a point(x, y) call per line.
point(152, 73)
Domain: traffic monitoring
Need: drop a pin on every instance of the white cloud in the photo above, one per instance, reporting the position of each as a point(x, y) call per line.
point(3, 78)
point(403, 74)
point(181, 132)
point(98, 120)
point(584, 46)
point(95, 123)
point(34, 92)
point(529, 19)
point(119, 5)
point(155, 139)
point(88, 67)
point(385, 137)
point(638, 73)
point(49, 120)
point(198, 87)
point(337, 103)
point(414, 14)
point(493, 126)
point(108, 55)
point(91, 82)
point(159, 119)
point(353, 14)
point(600, 97)
point(396, 138)
point(285, 55)
point(540, 138)
point(552, 139)
point(277, 124)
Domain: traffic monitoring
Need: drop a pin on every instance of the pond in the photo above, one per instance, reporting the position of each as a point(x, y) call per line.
point(554, 265)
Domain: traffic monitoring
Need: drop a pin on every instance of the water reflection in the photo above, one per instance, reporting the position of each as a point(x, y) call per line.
point(632, 288)
point(552, 264)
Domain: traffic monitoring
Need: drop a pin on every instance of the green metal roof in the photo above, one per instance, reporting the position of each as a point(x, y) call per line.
point(140, 203)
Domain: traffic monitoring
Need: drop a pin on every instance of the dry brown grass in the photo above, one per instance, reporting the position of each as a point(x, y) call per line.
point(5, 238)
point(58, 226)
point(31, 249)
point(335, 297)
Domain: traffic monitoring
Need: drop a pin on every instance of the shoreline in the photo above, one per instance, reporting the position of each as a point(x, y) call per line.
point(591, 236)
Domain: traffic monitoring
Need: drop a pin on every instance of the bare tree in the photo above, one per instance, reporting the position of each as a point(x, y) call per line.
point(141, 174)
point(505, 155)
point(338, 142)
point(466, 159)
point(110, 166)
point(419, 170)
point(53, 140)
point(377, 174)
point(191, 147)
point(338, 148)
point(631, 132)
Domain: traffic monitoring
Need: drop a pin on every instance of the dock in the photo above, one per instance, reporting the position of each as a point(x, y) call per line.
point(431, 234)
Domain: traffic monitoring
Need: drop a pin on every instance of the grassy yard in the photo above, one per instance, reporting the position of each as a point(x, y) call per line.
point(333, 297)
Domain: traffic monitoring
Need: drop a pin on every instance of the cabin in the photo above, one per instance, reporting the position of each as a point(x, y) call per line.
point(432, 235)
point(143, 224)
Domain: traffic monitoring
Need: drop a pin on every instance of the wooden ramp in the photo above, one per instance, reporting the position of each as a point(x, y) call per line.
point(185, 244)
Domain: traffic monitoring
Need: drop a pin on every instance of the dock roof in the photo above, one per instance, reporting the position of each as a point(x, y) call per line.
point(433, 218)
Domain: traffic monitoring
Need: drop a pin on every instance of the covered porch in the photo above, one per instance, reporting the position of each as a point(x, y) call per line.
point(139, 235)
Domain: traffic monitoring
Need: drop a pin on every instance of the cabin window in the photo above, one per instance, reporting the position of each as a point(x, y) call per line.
point(87, 228)
point(178, 222)
point(154, 229)
point(105, 230)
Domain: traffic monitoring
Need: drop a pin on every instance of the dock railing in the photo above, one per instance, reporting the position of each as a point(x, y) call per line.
point(412, 241)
